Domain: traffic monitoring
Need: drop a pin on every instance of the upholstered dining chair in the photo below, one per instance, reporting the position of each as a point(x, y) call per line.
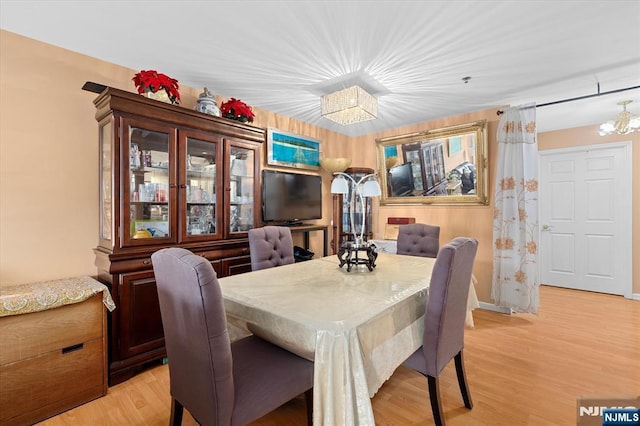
point(270, 246)
point(219, 382)
point(418, 239)
point(446, 309)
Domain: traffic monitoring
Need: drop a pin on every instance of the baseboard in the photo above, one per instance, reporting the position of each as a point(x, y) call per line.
point(635, 296)
point(494, 308)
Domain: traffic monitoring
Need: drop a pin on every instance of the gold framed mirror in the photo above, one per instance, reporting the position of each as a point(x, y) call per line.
point(441, 166)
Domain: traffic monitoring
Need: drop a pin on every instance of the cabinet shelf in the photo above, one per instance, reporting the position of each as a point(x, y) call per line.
point(150, 203)
point(149, 169)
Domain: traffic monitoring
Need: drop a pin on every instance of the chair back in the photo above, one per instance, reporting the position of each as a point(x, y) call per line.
point(418, 239)
point(195, 332)
point(270, 246)
point(447, 303)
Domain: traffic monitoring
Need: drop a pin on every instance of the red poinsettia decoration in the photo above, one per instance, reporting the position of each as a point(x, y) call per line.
point(152, 80)
point(235, 109)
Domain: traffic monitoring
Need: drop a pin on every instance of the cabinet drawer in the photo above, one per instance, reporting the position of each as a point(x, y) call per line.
point(236, 265)
point(42, 386)
point(29, 335)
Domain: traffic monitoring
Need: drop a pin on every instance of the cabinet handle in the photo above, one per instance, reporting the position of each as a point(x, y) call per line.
point(72, 348)
point(183, 185)
point(173, 185)
point(146, 262)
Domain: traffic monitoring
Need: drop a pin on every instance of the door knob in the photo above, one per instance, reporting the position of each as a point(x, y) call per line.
point(546, 227)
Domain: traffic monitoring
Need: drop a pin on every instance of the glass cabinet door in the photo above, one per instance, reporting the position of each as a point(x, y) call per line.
point(242, 184)
point(147, 153)
point(106, 184)
point(428, 167)
point(439, 151)
point(416, 168)
point(200, 193)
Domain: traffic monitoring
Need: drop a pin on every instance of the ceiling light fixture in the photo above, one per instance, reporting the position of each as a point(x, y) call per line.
point(624, 124)
point(349, 106)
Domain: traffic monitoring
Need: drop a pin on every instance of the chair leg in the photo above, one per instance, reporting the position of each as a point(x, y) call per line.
point(308, 398)
point(176, 413)
point(434, 396)
point(462, 380)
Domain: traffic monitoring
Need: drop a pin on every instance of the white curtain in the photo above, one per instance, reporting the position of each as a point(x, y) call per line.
point(515, 220)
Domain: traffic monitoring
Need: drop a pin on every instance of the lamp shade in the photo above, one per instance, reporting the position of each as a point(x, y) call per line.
point(339, 186)
point(371, 188)
point(332, 165)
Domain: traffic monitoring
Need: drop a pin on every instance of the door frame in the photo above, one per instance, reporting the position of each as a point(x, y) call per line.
point(627, 242)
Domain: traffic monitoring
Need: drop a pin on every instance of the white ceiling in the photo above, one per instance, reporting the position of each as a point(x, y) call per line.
point(277, 55)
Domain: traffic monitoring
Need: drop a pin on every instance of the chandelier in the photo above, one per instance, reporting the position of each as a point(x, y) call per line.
point(349, 106)
point(624, 124)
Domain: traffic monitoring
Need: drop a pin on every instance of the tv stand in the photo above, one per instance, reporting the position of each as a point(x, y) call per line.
point(305, 229)
point(294, 223)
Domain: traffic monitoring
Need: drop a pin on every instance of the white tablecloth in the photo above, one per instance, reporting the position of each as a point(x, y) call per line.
point(357, 326)
point(391, 246)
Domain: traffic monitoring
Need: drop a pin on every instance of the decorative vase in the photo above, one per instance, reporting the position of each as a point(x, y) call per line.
point(207, 103)
point(240, 118)
point(159, 95)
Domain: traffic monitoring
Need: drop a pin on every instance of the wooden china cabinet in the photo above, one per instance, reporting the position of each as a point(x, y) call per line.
point(169, 177)
point(427, 165)
point(342, 207)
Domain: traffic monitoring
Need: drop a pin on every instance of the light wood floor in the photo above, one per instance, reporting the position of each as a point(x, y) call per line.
point(522, 370)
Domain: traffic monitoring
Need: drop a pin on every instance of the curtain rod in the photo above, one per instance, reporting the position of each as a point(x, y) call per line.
point(499, 112)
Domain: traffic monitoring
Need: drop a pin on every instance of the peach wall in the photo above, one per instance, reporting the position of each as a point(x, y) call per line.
point(49, 158)
point(49, 165)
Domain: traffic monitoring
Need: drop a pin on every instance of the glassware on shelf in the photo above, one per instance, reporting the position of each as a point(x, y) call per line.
point(134, 160)
point(146, 158)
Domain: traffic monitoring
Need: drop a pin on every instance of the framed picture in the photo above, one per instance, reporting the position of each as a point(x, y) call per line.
point(291, 150)
point(391, 151)
point(455, 145)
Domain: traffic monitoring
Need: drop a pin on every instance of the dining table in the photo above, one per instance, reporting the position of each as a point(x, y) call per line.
point(357, 326)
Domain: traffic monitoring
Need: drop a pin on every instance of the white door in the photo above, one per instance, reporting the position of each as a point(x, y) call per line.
point(585, 218)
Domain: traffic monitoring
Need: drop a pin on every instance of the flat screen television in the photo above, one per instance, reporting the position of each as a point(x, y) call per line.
point(401, 180)
point(290, 197)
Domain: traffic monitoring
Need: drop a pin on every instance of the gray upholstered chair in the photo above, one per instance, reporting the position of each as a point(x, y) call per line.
point(418, 239)
point(219, 382)
point(270, 246)
point(443, 337)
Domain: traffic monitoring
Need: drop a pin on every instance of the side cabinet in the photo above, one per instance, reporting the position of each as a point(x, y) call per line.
point(169, 177)
point(51, 361)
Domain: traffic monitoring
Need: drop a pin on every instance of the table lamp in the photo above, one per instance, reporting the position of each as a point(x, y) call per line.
point(371, 188)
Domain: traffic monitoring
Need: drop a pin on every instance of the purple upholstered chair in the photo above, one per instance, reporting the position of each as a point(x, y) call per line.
point(219, 382)
point(270, 246)
point(443, 337)
point(418, 239)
